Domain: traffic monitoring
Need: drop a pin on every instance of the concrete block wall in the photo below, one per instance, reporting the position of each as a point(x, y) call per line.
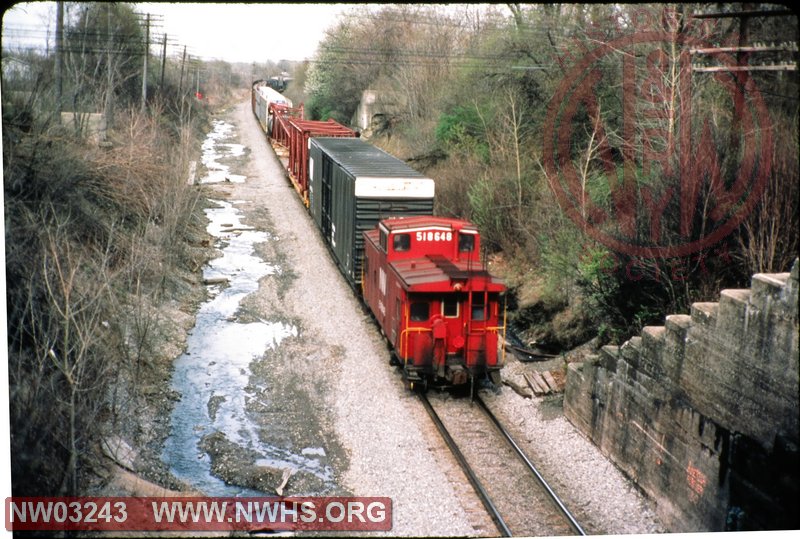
point(702, 412)
point(375, 110)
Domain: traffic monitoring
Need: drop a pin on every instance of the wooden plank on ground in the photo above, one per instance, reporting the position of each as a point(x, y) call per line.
point(521, 391)
point(537, 376)
point(561, 379)
point(531, 385)
point(537, 384)
point(551, 382)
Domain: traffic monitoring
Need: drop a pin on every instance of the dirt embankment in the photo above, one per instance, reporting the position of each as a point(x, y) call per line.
point(128, 459)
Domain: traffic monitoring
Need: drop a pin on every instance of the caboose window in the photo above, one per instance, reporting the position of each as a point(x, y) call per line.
point(466, 243)
point(420, 311)
point(450, 308)
point(401, 242)
point(384, 241)
point(478, 308)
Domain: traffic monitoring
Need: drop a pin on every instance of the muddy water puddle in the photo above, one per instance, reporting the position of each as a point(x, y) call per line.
point(215, 446)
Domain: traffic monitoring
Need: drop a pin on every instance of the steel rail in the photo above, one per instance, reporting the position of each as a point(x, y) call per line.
point(563, 508)
point(473, 479)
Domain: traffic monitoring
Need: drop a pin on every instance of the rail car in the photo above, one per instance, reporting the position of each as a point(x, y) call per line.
point(354, 185)
point(263, 99)
point(433, 299)
point(299, 134)
point(420, 276)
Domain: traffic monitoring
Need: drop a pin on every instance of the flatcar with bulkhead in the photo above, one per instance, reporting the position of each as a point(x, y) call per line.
point(420, 276)
point(298, 135)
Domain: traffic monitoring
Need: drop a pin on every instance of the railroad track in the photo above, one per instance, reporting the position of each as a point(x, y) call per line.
point(513, 492)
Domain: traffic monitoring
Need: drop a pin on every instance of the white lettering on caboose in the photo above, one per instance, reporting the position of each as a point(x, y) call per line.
point(430, 235)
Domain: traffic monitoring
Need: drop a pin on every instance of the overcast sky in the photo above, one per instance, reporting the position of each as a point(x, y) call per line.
point(229, 31)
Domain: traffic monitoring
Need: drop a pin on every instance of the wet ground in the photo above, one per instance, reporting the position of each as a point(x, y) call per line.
point(241, 427)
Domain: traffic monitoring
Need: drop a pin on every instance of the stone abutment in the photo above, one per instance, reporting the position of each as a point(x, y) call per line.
point(702, 413)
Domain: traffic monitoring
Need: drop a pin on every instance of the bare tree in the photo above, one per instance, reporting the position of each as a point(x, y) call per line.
point(76, 301)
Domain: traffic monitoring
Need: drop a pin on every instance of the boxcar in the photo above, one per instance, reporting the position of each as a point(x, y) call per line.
point(352, 186)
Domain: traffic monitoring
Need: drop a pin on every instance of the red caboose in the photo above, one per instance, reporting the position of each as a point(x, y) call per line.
point(433, 298)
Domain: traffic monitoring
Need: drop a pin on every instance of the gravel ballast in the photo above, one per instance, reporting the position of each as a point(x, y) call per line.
point(602, 499)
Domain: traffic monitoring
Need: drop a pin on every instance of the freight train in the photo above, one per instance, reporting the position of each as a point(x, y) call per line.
point(420, 276)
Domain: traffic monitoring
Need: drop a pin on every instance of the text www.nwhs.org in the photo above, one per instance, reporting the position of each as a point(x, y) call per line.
point(199, 514)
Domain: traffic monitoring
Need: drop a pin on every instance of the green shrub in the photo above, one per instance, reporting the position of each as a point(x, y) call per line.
point(463, 131)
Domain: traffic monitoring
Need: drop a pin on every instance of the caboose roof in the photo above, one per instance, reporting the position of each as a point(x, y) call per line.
point(436, 273)
point(405, 224)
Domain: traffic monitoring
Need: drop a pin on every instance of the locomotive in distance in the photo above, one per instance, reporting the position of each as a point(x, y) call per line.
point(420, 276)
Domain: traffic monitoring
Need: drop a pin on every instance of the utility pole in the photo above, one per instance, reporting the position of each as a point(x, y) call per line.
point(183, 63)
point(742, 50)
point(163, 63)
point(740, 71)
point(146, 55)
point(109, 105)
point(59, 57)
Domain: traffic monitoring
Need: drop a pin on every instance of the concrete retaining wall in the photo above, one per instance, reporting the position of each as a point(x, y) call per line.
point(702, 413)
point(377, 111)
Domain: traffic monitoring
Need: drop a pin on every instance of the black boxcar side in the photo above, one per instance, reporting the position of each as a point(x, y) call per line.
point(352, 186)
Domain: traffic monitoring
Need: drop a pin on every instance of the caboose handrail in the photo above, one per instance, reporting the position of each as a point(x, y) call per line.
point(406, 331)
point(505, 315)
point(497, 329)
point(503, 327)
point(404, 340)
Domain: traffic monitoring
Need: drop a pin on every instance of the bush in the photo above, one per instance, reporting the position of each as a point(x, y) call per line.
point(462, 132)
